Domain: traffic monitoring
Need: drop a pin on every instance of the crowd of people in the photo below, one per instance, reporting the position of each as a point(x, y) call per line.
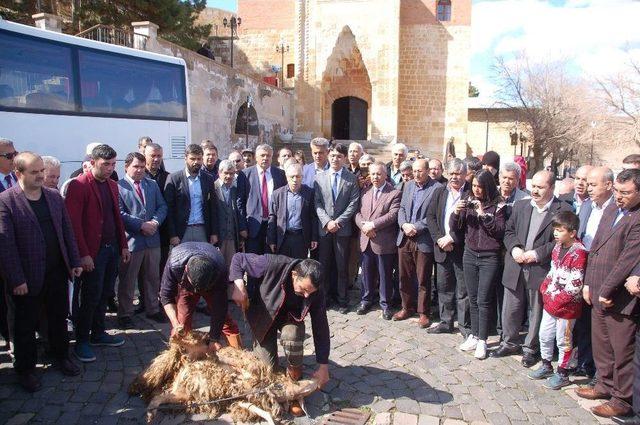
point(557, 264)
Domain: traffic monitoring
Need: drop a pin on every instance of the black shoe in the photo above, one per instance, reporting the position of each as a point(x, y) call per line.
point(626, 420)
point(504, 351)
point(125, 323)
point(30, 382)
point(386, 314)
point(440, 328)
point(159, 317)
point(343, 308)
point(363, 308)
point(68, 367)
point(112, 305)
point(530, 359)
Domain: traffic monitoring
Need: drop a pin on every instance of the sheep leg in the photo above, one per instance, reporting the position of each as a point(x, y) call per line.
point(161, 399)
point(258, 411)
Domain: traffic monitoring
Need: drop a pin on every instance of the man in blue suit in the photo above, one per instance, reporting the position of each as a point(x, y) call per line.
point(320, 153)
point(262, 180)
point(143, 209)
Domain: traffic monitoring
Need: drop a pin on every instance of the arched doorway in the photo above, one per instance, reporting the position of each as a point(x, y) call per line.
point(349, 118)
point(247, 118)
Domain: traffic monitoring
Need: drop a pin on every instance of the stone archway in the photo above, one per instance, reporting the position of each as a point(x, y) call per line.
point(246, 118)
point(346, 76)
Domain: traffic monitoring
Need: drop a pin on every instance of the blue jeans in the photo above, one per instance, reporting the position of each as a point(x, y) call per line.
point(481, 278)
point(96, 288)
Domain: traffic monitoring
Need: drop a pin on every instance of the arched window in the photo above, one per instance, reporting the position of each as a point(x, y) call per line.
point(444, 10)
point(243, 118)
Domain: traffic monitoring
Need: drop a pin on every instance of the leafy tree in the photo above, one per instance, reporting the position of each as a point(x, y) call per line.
point(473, 90)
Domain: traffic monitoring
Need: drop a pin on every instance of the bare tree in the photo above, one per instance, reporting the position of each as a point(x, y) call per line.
point(555, 106)
point(621, 95)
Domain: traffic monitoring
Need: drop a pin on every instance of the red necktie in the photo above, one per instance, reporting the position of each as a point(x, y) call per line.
point(139, 191)
point(265, 196)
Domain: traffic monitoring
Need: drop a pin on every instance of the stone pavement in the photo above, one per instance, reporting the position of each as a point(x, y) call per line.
point(401, 374)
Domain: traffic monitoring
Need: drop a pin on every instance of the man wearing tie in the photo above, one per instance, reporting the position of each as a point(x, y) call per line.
point(7, 180)
point(143, 210)
point(378, 223)
point(337, 198)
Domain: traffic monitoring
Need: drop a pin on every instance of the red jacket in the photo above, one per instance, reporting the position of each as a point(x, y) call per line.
point(85, 209)
point(562, 288)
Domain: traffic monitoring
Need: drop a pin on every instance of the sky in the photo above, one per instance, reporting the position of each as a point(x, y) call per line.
point(597, 37)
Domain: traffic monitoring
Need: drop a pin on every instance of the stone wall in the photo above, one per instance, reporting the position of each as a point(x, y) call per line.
point(216, 93)
point(501, 123)
point(434, 76)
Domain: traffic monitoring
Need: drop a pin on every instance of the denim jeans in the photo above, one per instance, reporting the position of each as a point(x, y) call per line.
point(96, 288)
point(481, 278)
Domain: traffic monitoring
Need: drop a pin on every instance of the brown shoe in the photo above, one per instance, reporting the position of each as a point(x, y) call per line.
point(234, 341)
point(424, 321)
point(610, 408)
point(403, 315)
point(591, 394)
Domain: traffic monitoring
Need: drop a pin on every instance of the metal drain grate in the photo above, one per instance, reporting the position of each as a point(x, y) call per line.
point(346, 417)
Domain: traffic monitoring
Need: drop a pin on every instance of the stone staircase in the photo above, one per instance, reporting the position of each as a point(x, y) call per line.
point(301, 141)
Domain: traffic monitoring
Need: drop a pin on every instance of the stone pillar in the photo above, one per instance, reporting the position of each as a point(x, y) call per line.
point(47, 21)
point(145, 32)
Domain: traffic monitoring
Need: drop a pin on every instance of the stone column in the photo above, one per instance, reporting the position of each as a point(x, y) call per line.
point(47, 21)
point(144, 32)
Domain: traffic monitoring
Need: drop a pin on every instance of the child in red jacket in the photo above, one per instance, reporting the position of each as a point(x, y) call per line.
point(562, 301)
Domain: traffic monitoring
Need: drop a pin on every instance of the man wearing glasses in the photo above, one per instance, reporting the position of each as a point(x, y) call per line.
point(7, 180)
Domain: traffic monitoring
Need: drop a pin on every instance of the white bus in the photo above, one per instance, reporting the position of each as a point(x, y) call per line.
point(59, 93)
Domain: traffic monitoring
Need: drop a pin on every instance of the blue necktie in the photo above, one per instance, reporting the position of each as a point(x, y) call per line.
point(334, 186)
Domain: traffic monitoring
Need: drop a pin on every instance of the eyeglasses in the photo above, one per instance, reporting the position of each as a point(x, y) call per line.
point(9, 155)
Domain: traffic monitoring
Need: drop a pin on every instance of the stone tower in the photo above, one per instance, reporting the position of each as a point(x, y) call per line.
point(387, 70)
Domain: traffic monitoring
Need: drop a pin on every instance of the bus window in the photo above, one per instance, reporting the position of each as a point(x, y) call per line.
point(133, 87)
point(35, 74)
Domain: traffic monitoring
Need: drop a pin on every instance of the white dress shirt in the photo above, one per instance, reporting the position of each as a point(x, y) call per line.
point(592, 223)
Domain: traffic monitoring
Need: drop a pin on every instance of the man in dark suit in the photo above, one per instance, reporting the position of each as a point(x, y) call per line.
point(39, 255)
point(579, 194)
point(231, 222)
point(528, 241)
point(378, 224)
point(399, 153)
point(293, 223)
point(613, 256)
point(92, 203)
point(600, 191)
point(7, 180)
point(415, 245)
point(191, 199)
point(448, 249)
point(337, 198)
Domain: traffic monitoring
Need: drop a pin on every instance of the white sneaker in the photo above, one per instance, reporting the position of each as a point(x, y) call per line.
point(469, 344)
point(481, 350)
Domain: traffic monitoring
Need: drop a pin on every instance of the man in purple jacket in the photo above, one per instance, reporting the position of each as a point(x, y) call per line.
point(39, 255)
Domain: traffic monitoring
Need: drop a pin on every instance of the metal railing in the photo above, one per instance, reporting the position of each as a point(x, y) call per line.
point(113, 35)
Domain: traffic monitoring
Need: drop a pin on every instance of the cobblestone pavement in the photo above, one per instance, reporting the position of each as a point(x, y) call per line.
point(397, 371)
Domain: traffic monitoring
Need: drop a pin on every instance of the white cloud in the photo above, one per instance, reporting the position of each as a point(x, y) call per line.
point(593, 33)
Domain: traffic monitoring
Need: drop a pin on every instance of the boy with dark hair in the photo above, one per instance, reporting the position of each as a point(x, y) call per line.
point(562, 301)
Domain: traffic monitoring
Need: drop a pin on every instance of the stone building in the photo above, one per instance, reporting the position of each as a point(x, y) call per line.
point(382, 70)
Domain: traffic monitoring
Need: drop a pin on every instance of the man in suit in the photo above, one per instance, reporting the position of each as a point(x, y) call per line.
point(528, 241)
point(143, 210)
point(415, 245)
point(509, 179)
point(191, 200)
point(81, 170)
point(579, 193)
point(231, 222)
point(153, 155)
point(612, 258)
point(92, 203)
point(7, 180)
point(337, 198)
point(51, 171)
point(262, 180)
point(600, 190)
point(293, 224)
point(355, 153)
point(39, 256)
point(211, 162)
point(378, 224)
point(435, 171)
point(399, 153)
point(448, 250)
point(319, 152)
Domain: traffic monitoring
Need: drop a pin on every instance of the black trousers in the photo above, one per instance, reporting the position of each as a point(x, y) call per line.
point(26, 310)
point(335, 250)
point(293, 246)
point(452, 292)
point(4, 326)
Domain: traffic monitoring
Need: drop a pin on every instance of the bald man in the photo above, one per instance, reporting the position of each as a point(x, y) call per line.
point(579, 194)
point(37, 262)
point(528, 240)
